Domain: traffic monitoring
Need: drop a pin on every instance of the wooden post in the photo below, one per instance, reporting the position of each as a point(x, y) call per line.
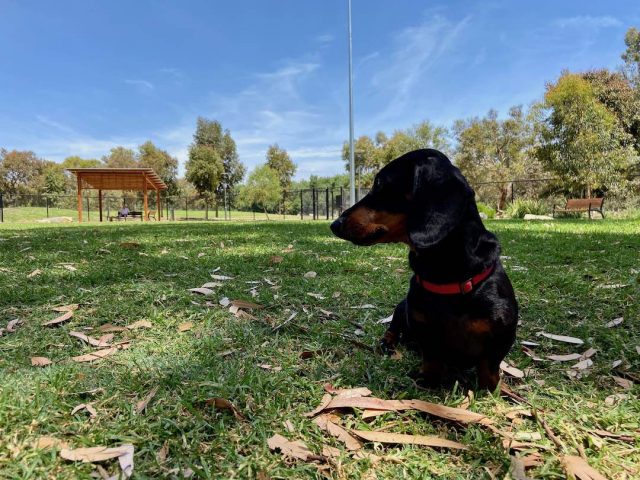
point(158, 206)
point(79, 197)
point(146, 201)
point(100, 203)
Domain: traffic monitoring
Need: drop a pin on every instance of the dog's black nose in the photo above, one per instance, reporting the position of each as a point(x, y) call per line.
point(336, 226)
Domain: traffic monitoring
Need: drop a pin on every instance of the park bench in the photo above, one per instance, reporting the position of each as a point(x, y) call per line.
point(132, 214)
point(588, 205)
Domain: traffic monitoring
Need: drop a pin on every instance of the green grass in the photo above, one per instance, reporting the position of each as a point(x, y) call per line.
point(556, 268)
point(34, 214)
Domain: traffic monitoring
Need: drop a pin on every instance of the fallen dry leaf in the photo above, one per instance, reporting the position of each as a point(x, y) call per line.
point(583, 365)
point(50, 442)
point(404, 439)
point(562, 338)
point(126, 460)
point(449, 413)
point(35, 273)
point(517, 469)
point(310, 275)
point(163, 452)
point(363, 307)
point(617, 436)
point(66, 308)
point(367, 403)
point(327, 422)
point(511, 370)
point(289, 249)
point(326, 400)
point(107, 327)
point(183, 327)
point(139, 324)
point(84, 406)
point(129, 245)
point(71, 268)
point(221, 277)
point(373, 413)
point(201, 290)
point(611, 400)
point(12, 324)
point(276, 259)
point(57, 321)
point(211, 285)
point(95, 356)
point(224, 404)
point(296, 449)
point(623, 382)
point(244, 304)
point(564, 358)
point(90, 340)
point(316, 295)
point(614, 322)
point(142, 404)
point(94, 454)
point(347, 392)
point(40, 361)
point(386, 320)
point(577, 467)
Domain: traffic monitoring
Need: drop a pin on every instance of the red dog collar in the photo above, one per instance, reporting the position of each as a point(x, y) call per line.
point(455, 288)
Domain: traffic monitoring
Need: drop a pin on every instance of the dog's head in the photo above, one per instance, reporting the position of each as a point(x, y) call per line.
point(418, 199)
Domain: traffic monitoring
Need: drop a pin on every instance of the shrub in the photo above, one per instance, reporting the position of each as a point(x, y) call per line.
point(520, 207)
point(486, 209)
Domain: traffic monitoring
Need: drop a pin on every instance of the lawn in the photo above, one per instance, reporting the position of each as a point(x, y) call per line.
point(34, 214)
point(125, 273)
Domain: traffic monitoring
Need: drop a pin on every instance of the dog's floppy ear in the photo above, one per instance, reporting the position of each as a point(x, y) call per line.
point(440, 198)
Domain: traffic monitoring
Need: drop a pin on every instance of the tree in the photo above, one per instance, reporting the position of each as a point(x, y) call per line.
point(631, 56)
point(617, 94)
point(370, 156)
point(278, 159)
point(212, 143)
point(120, 157)
point(493, 150)
point(204, 169)
point(162, 163)
point(20, 172)
point(579, 139)
point(53, 180)
point(78, 162)
point(262, 189)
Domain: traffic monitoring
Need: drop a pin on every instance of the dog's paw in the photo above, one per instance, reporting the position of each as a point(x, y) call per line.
point(387, 345)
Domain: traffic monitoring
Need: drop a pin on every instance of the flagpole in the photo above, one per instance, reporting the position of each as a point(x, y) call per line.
point(352, 175)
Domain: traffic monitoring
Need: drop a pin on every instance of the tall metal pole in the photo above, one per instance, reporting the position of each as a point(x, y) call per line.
point(352, 174)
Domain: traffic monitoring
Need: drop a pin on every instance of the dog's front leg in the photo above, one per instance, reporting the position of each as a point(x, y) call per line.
point(396, 329)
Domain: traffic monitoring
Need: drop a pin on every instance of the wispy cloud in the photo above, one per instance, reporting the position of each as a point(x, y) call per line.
point(415, 50)
point(324, 39)
point(141, 84)
point(587, 21)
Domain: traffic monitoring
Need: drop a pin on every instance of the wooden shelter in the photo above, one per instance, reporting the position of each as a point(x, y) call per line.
point(140, 179)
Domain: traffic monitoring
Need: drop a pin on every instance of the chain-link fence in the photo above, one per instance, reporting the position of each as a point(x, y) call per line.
point(307, 204)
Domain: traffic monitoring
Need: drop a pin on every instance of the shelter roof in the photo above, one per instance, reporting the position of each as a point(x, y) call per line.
point(119, 178)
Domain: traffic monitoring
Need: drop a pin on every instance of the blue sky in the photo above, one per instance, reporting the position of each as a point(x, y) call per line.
point(79, 77)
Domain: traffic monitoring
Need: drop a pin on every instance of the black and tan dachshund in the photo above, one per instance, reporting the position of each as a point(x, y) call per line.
point(461, 310)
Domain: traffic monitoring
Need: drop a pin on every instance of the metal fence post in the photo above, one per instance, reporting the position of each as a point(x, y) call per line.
point(301, 207)
point(513, 191)
point(326, 202)
point(341, 200)
point(88, 211)
point(314, 203)
point(186, 208)
point(47, 201)
point(1, 209)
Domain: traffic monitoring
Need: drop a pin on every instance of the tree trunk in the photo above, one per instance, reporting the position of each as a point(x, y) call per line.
point(265, 212)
